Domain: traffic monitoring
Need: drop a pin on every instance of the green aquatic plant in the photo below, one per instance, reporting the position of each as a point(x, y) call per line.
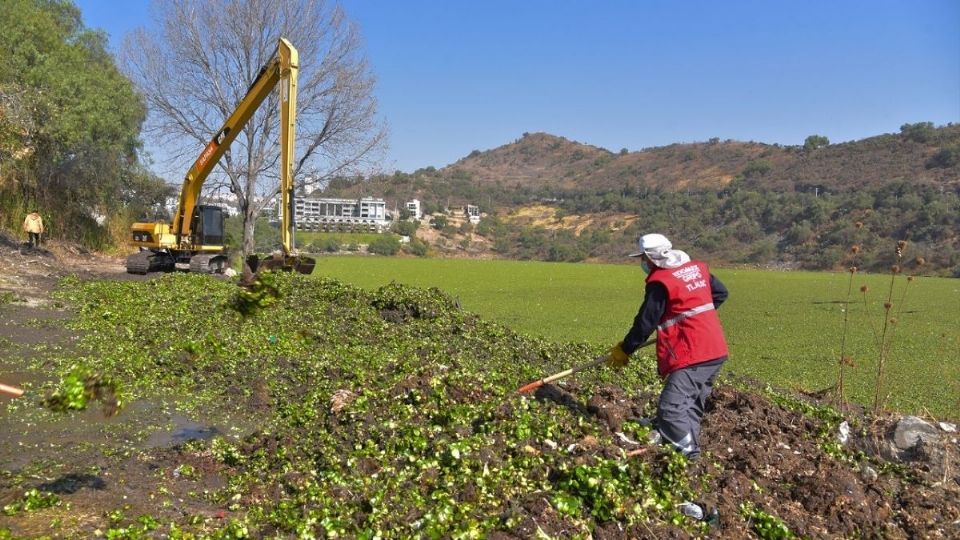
point(31, 501)
point(79, 387)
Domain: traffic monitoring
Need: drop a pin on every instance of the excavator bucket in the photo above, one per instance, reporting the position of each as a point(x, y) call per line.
point(277, 261)
point(300, 264)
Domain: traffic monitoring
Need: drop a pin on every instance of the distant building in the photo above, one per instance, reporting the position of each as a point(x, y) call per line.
point(227, 201)
point(358, 215)
point(472, 212)
point(413, 207)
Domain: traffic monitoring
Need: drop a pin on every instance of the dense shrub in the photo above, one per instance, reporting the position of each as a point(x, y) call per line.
point(329, 245)
point(921, 132)
point(758, 167)
point(385, 245)
point(406, 228)
point(417, 247)
point(947, 157)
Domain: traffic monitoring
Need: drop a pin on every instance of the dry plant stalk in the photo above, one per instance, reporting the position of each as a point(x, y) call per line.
point(845, 360)
point(885, 336)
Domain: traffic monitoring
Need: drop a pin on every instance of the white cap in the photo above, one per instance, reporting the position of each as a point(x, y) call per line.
point(652, 245)
point(660, 251)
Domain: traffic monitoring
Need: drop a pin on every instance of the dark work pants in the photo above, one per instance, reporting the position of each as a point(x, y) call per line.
point(682, 403)
point(34, 239)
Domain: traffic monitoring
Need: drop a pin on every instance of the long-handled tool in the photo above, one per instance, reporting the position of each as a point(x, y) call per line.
point(567, 372)
point(12, 390)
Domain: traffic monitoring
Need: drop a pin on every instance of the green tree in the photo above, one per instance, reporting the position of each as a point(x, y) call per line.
point(921, 132)
point(757, 167)
point(384, 245)
point(439, 222)
point(815, 142)
point(417, 247)
point(69, 120)
point(406, 228)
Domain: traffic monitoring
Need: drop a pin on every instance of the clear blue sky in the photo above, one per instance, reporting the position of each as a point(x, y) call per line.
point(454, 76)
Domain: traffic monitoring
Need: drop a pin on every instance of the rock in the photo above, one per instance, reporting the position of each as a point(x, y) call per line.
point(589, 441)
point(919, 441)
point(843, 434)
point(340, 400)
point(654, 438)
point(868, 473)
point(911, 429)
point(229, 272)
point(620, 435)
point(948, 427)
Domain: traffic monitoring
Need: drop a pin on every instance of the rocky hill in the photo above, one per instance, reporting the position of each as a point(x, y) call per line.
point(540, 160)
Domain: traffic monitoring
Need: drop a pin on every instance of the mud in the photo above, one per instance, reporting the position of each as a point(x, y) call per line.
point(772, 457)
point(90, 461)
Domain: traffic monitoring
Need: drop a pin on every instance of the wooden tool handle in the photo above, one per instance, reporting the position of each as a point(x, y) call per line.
point(12, 390)
point(567, 372)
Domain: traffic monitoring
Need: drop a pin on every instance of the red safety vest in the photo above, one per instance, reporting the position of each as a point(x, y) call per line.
point(689, 332)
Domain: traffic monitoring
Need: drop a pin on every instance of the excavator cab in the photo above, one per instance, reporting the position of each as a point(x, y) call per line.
point(206, 227)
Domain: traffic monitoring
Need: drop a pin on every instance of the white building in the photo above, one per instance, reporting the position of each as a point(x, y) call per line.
point(472, 212)
point(227, 201)
point(413, 207)
point(365, 214)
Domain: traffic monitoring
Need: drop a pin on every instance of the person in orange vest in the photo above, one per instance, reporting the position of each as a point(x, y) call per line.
point(680, 302)
point(33, 226)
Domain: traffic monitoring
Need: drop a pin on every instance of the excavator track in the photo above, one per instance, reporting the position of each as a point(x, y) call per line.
point(148, 261)
point(138, 263)
point(208, 264)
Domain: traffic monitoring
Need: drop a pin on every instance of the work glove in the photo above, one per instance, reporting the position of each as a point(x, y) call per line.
point(617, 357)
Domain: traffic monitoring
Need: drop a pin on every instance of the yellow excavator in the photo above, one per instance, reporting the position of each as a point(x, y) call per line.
point(195, 239)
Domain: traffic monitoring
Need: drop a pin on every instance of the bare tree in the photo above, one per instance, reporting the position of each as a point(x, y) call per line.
point(197, 63)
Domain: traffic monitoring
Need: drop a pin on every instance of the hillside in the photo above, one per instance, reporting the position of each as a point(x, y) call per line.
point(730, 202)
point(541, 160)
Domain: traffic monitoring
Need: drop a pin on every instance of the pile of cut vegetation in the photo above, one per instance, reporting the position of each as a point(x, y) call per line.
point(394, 414)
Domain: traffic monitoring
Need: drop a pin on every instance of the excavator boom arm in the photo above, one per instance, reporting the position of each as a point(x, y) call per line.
point(283, 67)
point(288, 122)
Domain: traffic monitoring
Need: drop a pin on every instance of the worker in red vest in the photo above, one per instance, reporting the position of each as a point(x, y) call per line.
point(680, 303)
